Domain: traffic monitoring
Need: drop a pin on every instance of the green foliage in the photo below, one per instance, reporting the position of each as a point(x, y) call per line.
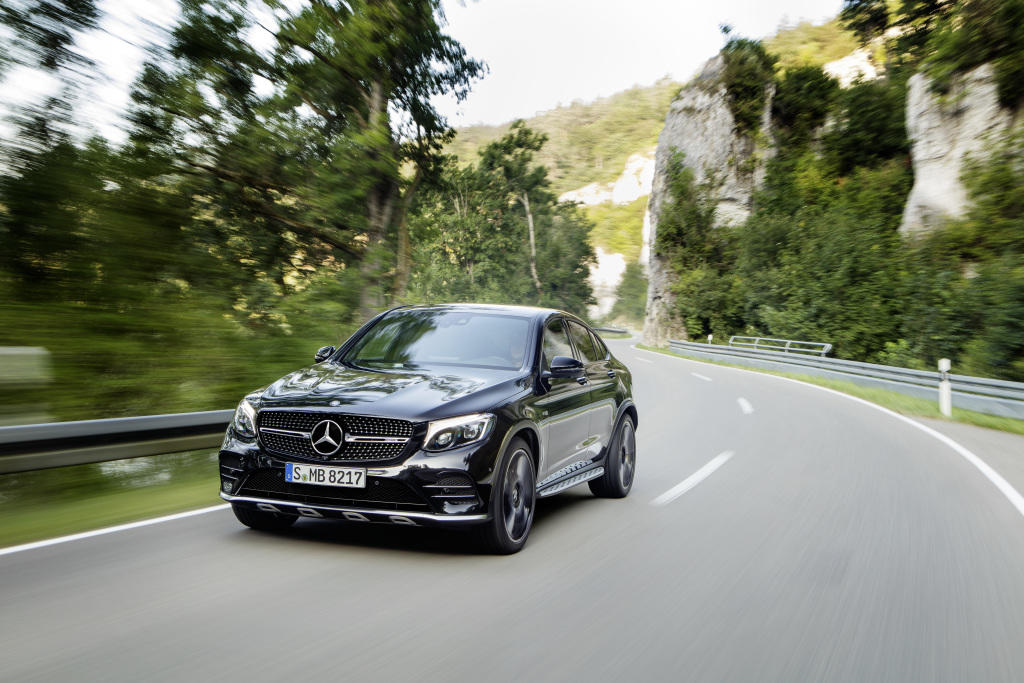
point(947, 38)
point(808, 44)
point(868, 19)
point(618, 229)
point(749, 69)
point(979, 32)
point(470, 232)
point(686, 236)
point(587, 142)
point(241, 225)
point(631, 297)
point(803, 97)
point(870, 127)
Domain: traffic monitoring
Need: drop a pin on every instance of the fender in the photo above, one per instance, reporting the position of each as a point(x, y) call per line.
point(620, 413)
point(522, 423)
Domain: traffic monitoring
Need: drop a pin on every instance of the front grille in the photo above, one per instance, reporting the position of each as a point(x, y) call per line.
point(353, 424)
point(299, 445)
point(380, 492)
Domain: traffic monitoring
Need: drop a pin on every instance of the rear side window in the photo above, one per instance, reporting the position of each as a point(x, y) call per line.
point(583, 341)
point(556, 342)
point(602, 350)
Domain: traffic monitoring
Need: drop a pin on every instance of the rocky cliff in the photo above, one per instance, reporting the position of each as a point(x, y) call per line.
point(944, 130)
point(700, 125)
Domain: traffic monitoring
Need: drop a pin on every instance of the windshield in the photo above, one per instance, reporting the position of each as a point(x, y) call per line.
point(414, 338)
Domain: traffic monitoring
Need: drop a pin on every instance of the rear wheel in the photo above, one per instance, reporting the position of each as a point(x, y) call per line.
point(261, 520)
point(513, 500)
point(620, 464)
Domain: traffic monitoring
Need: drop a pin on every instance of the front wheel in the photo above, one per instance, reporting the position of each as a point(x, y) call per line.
point(261, 520)
point(620, 464)
point(513, 500)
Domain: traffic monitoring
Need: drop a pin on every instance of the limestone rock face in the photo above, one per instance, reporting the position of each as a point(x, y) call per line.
point(700, 125)
point(605, 277)
point(853, 67)
point(634, 182)
point(943, 130)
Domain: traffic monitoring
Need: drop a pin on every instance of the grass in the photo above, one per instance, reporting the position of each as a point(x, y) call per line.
point(50, 503)
point(900, 403)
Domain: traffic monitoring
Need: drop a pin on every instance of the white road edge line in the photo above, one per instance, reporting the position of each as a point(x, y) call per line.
point(745, 405)
point(644, 360)
point(1011, 494)
point(109, 530)
point(700, 376)
point(692, 480)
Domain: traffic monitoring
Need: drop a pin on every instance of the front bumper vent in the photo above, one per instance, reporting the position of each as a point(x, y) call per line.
point(380, 492)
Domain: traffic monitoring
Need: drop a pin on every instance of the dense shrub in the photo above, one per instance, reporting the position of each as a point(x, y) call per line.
point(870, 126)
point(802, 99)
point(749, 70)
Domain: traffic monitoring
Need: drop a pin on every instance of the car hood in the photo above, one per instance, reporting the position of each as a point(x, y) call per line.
point(410, 394)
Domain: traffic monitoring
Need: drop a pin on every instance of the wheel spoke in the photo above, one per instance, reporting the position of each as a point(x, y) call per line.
point(517, 496)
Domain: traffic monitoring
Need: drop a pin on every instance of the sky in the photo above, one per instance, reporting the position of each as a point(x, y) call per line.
point(541, 53)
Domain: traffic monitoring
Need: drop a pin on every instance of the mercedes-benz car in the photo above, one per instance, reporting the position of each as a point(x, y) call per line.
point(446, 415)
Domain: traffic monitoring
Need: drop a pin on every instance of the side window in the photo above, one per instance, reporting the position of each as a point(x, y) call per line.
point(584, 344)
point(602, 350)
point(556, 342)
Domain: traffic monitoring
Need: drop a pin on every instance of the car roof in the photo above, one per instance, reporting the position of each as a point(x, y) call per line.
point(533, 311)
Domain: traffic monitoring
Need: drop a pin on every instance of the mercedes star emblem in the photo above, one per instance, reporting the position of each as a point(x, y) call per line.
point(326, 437)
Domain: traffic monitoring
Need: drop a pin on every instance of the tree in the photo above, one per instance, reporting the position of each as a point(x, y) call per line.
point(868, 19)
point(492, 232)
point(328, 136)
point(511, 157)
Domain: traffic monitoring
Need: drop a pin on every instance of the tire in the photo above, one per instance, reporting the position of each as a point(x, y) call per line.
point(513, 502)
point(619, 465)
point(263, 521)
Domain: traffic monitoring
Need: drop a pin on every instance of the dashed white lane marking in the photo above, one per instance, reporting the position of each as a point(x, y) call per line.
point(745, 405)
point(109, 530)
point(1011, 494)
point(692, 480)
point(644, 360)
point(700, 376)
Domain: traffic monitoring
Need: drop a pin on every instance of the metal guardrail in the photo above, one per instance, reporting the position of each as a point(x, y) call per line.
point(991, 396)
point(784, 345)
point(56, 444)
point(611, 330)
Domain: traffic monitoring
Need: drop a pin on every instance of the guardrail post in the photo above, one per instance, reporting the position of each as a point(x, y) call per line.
point(945, 391)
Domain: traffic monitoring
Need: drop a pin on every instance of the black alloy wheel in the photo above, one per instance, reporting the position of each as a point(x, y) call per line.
point(513, 501)
point(620, 463)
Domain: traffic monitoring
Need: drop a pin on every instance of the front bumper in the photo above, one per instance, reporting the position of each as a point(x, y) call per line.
point(353, 514)
point(424, 488)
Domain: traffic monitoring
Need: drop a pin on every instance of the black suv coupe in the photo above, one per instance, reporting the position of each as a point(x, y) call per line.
point(457, 414)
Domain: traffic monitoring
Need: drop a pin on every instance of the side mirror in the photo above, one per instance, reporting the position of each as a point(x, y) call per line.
point(323, 353)
point(563, 366)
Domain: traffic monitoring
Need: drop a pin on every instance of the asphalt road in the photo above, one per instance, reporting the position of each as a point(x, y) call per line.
point(835, 543)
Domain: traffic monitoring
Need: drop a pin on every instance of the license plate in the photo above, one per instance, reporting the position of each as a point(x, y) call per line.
point(350, 477)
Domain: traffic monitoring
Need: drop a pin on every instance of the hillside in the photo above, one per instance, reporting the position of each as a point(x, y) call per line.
point(589, 145)
point(587, 142)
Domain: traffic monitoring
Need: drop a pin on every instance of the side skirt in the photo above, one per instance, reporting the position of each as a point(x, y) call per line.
point(569, 480)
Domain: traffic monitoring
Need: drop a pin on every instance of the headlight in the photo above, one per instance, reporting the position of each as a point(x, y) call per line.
point(244, 421)
point(443, 435)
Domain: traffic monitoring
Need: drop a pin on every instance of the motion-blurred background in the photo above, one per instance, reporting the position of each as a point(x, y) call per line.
point(194, 196)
